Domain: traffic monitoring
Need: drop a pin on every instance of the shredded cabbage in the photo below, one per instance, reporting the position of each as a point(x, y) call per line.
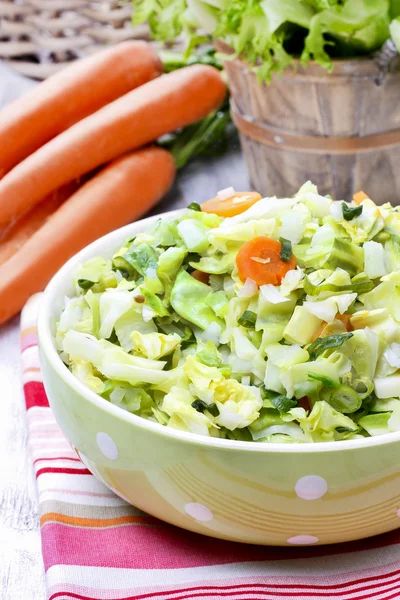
point(313, 359)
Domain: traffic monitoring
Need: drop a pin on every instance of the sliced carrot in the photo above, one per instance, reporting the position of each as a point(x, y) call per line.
point(200, 276)
point(318, 333)
point(329, 328)
point(120, 193)
point(259, 260)
point(139, 117)
point(20, 232)
point(345, 320)
point(359, 197)
point(77, 91)
point(234, 205)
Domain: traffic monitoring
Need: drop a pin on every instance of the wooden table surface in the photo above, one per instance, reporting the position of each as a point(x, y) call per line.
point(21, 569)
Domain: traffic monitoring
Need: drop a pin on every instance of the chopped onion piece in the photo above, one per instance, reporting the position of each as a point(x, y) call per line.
point(226, 193)
point(249, 289)
point(211, 334)
point(272, 294)
point(147, 313)
point(392, 355)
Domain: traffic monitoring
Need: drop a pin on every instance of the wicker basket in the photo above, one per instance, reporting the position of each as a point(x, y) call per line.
point(39, 37)
point(341, 129)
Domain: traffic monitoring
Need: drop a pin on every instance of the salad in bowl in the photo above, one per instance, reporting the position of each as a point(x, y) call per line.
point(248, 318)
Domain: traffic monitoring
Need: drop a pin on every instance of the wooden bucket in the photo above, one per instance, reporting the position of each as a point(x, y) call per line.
point(341, 130)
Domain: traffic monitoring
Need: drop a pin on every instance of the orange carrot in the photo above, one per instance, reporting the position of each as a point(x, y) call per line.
point(345, 320)
point(120, 193)
point(141, 116)
point(20, 232)
point(201, 276)
point(71, 95)
point(260, 261)
point(359, 197)
point(234, 205)
point(329, 328)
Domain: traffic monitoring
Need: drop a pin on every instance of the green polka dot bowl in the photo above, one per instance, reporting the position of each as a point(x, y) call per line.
point(259, 493)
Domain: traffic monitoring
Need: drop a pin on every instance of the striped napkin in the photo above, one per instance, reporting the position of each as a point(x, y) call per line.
point(97, 547)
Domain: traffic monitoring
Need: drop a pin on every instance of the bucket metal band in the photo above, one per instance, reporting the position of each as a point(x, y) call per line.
point(313, 144)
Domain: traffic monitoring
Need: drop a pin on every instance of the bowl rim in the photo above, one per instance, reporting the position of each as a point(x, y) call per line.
point(47, 346)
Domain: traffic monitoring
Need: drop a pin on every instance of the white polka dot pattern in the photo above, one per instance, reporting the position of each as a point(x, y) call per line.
point(303, 540)
point(199, 512)
point(311, 487)
point(107, 446)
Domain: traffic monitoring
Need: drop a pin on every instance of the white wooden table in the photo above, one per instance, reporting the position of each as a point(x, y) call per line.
point(21, 568)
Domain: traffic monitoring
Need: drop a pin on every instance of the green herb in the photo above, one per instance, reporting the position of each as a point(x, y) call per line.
point(326, 381)
point(330, 341)
point(210, 136)
point(346, 430)
point(201, 406)
point(286, 250)
point(194, 206)
point(248, 319)
point(283, 403)
point(85, 284)
point(350, 212)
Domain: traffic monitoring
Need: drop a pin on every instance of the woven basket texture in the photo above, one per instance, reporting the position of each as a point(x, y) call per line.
point(40, 37)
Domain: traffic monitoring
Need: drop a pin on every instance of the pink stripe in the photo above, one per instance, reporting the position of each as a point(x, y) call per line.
point(347, 585)
point(229, 592)
point(141, 547)
point(28, 341)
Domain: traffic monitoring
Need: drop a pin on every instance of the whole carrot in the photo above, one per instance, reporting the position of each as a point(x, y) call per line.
point(141, 116)
point(72, 94)
point(120, 193)
point(19, 233)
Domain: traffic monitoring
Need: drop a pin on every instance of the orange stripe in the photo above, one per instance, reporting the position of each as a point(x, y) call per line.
point(94, 523)
point(28, 331)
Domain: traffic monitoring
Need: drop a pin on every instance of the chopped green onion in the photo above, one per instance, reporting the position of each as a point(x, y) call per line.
point(286, 250)
point(343, 399)
point(326, 381)
point(360, 283)
point(382, 237)
point(85, 284)
point(350, 212)
point(283, 403)
point(194, 206)
point(330, 341)
point(346, 430)
point(201, 406)
point(248, 319)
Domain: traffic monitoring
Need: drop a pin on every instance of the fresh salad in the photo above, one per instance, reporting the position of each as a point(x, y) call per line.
point(261, 320)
